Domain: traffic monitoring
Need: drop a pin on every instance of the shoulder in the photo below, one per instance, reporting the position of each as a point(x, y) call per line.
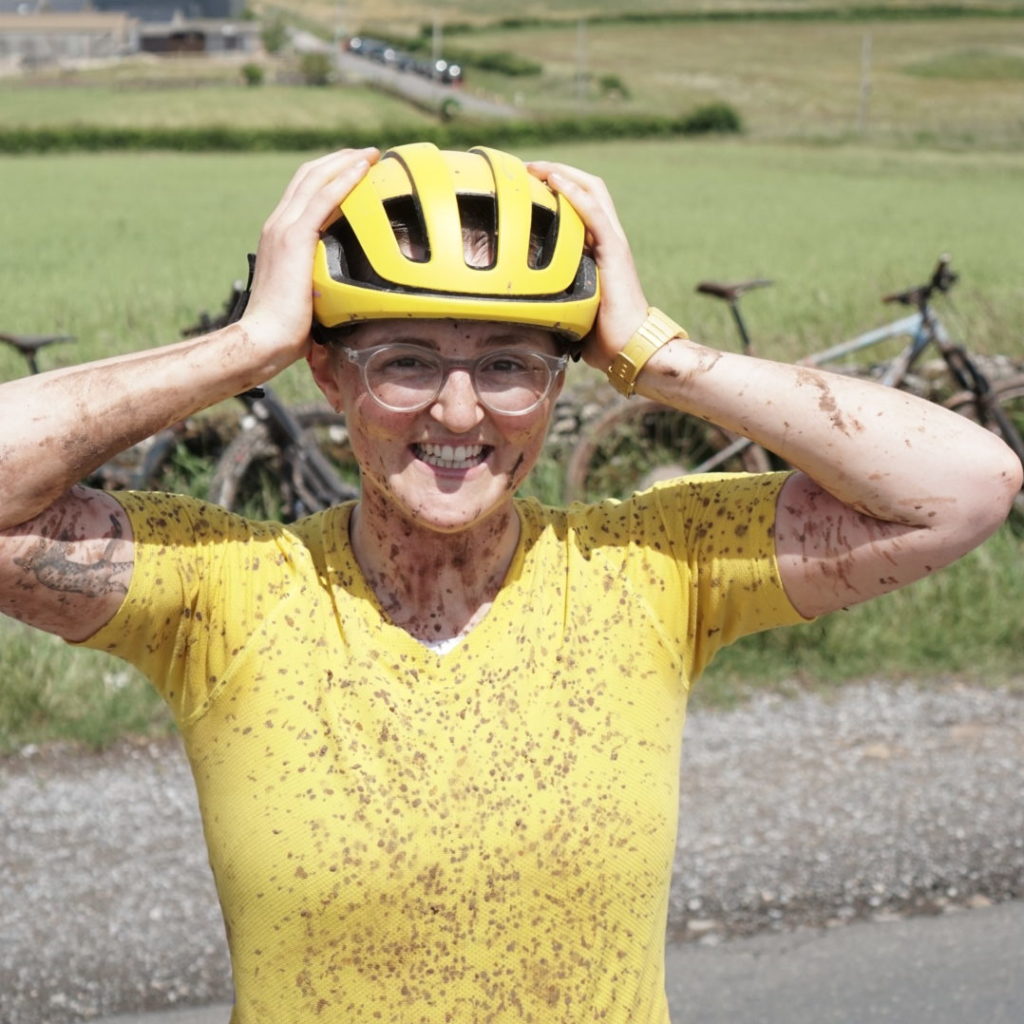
point(688, 508)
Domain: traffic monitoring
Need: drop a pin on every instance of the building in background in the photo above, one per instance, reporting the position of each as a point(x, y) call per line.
point(34, 40)
point(39, 32)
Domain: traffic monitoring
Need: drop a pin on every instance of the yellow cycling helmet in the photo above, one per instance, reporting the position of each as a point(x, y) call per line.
point(539, 274)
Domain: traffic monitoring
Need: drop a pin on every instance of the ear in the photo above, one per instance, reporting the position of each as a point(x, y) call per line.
point(324, 364)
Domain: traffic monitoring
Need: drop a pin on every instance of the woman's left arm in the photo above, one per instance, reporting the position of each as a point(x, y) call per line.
point(889, 487)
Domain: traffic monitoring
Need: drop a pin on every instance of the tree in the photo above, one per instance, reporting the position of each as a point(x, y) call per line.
point(274, 35)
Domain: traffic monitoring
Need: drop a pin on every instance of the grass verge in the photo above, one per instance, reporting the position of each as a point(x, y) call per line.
point(958, 623)
point(55, 692)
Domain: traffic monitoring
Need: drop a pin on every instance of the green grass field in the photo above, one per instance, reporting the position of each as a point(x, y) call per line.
point(123, 250)
point(953, 82)
point(956, 82)
point(361, 13)
point(212, 103)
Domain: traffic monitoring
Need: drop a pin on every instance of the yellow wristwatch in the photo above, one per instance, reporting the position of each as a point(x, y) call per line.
point(655, 331)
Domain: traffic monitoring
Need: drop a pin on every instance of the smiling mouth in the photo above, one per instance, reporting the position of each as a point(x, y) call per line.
point(447, 456)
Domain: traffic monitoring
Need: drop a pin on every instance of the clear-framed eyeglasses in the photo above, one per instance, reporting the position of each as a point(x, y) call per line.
point(406, 378)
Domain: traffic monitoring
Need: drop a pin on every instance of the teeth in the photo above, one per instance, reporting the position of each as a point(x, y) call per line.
point(446, 456)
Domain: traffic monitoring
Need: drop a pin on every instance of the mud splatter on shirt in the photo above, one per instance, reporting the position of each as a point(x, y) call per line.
point(484, 835)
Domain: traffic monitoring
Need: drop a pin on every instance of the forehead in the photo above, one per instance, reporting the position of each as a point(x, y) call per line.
point(457, 335)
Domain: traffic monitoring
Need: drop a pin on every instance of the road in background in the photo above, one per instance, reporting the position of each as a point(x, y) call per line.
point(424, 92)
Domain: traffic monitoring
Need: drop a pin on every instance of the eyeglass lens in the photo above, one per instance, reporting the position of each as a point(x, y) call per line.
point(410, 377)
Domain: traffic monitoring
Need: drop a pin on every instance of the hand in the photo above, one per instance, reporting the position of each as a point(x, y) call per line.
point(280, 308)
point(623, 304)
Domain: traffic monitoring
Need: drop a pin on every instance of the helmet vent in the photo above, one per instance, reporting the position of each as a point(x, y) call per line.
point(479, 218)
point(409, 227)
point(543, 235)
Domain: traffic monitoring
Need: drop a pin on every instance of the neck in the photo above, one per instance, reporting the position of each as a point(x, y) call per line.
point(433, 584)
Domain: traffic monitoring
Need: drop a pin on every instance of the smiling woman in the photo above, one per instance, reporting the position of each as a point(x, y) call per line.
point(435, 732)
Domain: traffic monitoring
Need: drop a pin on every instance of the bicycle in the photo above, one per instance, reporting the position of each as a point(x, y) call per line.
point(636, 443)
point(282, 463)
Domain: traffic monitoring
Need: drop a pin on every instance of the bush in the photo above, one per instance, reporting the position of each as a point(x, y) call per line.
point(455, 133)
point(511, 64)
point(609, 84)
point(315, 68)
point(714, 117)
point(450, 109)
point(252, 74)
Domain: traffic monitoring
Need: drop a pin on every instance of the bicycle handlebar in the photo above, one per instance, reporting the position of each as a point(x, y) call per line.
point(942, 280)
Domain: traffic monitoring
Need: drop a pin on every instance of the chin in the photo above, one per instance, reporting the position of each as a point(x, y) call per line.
point(438, 511)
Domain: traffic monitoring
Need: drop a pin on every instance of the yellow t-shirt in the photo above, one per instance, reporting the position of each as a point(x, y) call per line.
point(486, 835)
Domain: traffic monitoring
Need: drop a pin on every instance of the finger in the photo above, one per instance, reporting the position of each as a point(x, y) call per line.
point(313, 172)
point(590, 198)
point(319, 186)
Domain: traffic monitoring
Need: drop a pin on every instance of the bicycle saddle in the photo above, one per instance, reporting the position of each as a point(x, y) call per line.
point(731, 292)
point(29, 344)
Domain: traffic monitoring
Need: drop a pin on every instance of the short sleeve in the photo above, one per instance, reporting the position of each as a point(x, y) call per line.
point(722, 528)
point(185, 612)
point(702, 550)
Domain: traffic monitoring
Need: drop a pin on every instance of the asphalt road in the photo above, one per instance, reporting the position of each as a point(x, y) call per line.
point(959, 967)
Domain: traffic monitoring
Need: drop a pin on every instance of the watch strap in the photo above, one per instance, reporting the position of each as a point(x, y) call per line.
point(656, 330)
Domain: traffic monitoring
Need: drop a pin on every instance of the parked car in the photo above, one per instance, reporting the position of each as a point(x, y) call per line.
point(440, 70)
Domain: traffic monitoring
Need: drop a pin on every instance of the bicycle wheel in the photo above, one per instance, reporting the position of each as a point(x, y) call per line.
point(1003, 415)
point(256, 478)
point(637, 443)
point(181, 458)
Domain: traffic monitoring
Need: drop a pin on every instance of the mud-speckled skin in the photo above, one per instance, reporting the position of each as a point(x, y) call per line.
point(486, 835)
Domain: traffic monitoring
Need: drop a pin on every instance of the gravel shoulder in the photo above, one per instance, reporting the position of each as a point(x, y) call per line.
point(879, 801)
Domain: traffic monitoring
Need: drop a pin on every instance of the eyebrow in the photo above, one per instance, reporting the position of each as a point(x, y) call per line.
point(503, 340)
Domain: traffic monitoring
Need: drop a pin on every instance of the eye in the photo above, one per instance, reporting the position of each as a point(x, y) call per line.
point(507, 363)
point(406, 360)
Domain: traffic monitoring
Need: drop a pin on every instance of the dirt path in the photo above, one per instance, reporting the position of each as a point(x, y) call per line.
point(883, 800)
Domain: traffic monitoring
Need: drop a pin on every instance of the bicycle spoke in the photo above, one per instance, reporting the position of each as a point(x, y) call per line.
point(642, 443)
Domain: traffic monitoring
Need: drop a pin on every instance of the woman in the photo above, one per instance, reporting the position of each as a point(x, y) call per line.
point(436, 733)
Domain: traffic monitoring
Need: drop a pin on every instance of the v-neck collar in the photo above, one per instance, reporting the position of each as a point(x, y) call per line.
point(344, 573)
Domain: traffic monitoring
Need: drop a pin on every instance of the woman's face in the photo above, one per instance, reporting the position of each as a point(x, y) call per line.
point(454, 463)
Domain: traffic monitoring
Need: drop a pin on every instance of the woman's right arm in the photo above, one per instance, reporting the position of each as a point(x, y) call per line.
point(66, 550)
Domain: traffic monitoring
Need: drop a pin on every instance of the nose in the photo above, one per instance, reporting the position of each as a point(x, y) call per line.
point(457, 405)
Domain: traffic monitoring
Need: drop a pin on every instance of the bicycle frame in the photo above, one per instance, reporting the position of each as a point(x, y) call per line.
point(922, 330)
point(996, 406)
point(316, 483)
